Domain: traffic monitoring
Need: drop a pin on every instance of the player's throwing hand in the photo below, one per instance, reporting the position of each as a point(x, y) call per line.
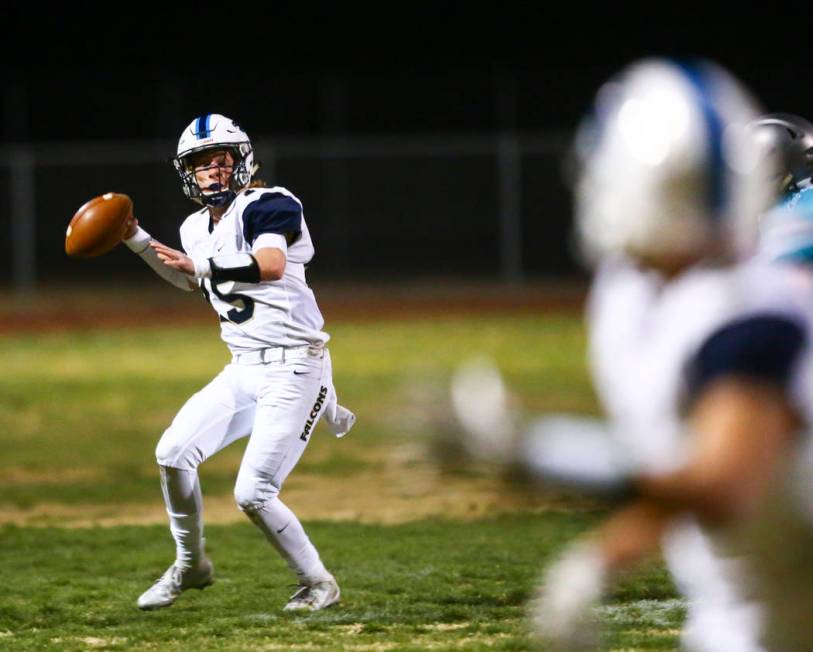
point(173, 258)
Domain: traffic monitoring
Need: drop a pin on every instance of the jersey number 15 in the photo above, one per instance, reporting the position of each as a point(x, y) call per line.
point(243, 306)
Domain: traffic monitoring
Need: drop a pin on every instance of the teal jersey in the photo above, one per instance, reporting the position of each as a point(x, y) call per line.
point(787, 229)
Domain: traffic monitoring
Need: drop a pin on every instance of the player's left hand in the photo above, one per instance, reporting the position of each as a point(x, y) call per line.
point(173, 258)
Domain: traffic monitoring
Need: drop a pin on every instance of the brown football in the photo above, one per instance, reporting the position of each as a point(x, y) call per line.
point(98, 226)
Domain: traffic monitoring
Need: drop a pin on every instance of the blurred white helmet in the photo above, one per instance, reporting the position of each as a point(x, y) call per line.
point(668, 166)
point(214, 132)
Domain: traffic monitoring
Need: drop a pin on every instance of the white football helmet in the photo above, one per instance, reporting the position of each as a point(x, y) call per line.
point(667, 164)
point(214, 131)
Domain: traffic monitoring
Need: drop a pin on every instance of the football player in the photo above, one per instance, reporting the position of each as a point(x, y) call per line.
point(701, 363)
point(787, 230)
point(246, 249)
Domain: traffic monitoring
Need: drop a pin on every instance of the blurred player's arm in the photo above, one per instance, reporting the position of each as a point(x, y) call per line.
point(139, 241)
point(574, 583)
point(742, 421)
point(741, 431)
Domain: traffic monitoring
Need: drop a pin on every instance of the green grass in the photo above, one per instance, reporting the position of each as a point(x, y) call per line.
point(80, 414)
point(94, 404)
point(431, 584)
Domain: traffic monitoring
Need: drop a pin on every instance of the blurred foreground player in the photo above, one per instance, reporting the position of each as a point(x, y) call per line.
point(701, 364)
point(246, 249)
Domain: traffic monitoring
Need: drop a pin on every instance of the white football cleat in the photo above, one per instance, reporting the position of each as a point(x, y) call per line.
point(174, 582)
point(313, 597)
point(481, 404)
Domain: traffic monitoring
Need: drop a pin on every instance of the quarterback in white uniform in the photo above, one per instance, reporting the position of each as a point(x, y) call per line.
point(246, 249)
point(702, 365)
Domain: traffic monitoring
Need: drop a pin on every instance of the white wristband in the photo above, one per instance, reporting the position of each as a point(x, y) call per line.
point(203, 268)
point(139, 242)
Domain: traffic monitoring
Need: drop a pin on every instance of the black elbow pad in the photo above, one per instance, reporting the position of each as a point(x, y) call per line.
point(235, 267)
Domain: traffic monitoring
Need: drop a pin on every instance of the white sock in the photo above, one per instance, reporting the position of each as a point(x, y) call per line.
point(185, 508)
point(283, 529)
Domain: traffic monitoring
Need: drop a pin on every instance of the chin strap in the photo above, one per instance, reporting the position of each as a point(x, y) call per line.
point(216, 199)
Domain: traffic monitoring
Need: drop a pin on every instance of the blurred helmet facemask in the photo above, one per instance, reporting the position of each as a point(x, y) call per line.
point(209, 133)
point(666, 164)
point(791, 138)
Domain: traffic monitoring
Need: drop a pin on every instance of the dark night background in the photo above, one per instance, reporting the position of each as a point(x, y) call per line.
point(387, 124)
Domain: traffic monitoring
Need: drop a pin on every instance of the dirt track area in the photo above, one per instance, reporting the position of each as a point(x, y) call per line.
point(372, 497)
point(394, 491)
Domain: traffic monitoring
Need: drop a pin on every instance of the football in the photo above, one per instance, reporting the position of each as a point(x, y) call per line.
point(98, 226)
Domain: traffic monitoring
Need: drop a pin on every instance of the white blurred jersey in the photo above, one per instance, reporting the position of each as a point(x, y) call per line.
point(644, 337)
point(645, 333)
point(270, 313)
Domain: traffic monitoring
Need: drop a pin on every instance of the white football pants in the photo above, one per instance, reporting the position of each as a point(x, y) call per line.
point(278, 405)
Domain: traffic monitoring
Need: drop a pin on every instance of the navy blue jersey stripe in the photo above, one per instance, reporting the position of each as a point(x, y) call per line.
point(762, 347)
point(272, 212)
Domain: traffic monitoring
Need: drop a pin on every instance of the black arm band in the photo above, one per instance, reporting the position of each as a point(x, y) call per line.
point(235, 267)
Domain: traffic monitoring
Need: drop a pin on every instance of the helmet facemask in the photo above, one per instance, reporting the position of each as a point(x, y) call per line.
point(241, 173)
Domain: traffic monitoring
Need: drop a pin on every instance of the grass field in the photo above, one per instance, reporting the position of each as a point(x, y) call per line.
point(429, 555)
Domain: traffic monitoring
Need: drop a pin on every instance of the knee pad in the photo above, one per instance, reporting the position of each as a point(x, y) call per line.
point(170, 452)
point(253, 493)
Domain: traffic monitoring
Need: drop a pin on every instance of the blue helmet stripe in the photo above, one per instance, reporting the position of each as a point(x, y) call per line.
point(714, 130)
point(202, 127)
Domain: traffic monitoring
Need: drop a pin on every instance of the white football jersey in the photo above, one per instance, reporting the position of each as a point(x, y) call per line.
point(645, 334)
point(646, 337)
point(270, 313)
